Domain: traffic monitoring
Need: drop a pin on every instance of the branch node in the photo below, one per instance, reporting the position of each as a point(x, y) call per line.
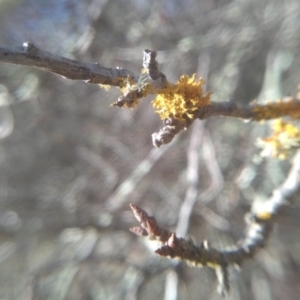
point(167, 133)
point(159, 80)
point(31, 49)
point(164, 136)
point(150, 64)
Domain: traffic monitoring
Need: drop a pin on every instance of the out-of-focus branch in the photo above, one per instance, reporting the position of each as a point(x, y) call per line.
point(191, 195)
point(119, 197)
point(214, 171)
point(215, 187)
point(259, 226)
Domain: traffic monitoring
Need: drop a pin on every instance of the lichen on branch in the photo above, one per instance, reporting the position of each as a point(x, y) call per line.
point(259, 226)
point(283, 107)
point(284, 139)
point(179, 104)
point(180, 101)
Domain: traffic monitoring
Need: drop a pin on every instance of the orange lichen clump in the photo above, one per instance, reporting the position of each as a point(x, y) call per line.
point(285, 137)
point(180, 101)
point(287, 107)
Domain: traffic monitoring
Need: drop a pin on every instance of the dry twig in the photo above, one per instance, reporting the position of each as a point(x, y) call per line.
point(259, 226)
point(151, 82)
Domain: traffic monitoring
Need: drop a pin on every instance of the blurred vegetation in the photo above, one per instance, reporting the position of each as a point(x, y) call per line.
point(65, 152)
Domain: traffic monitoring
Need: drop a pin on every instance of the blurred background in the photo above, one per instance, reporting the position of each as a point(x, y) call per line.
point(71, 164)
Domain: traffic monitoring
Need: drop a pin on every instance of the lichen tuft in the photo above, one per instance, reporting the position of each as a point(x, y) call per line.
point(181, 100)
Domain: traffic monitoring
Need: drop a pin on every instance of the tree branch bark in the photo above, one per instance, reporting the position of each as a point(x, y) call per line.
point(153, 82)
point(258, 230)
point(30, 55)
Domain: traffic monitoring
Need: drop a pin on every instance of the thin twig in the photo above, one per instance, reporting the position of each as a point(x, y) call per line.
point(259, 226)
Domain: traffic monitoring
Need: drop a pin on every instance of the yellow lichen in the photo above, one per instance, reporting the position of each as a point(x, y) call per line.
point(285, 137)
point(181, 100)
point(130, 90)
point(130, 85)
point(264, 215)
point(105, 86)
point(286, 107)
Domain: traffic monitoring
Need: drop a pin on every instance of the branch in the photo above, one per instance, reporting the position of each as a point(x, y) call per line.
point(180, 104)
point(289, 107)
point(259, 226)
point(186, 102)
point(30, 55)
